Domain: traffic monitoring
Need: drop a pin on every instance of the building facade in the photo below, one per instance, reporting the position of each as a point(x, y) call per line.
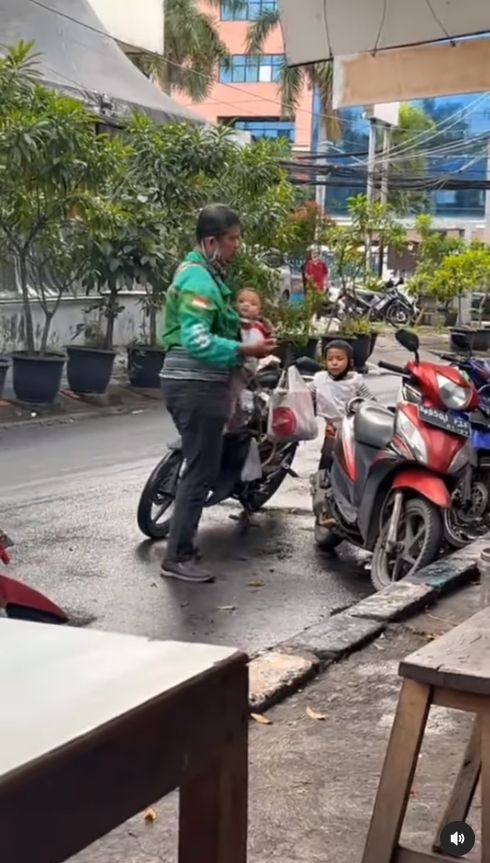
point(143, 30)
point(246, 95)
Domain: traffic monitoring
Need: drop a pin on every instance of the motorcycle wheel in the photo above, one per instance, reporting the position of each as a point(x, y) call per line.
point(462, 527)
point(258, 493)
point(420, 534)
point(397, 315)
point(157, 498)
point(325, 539)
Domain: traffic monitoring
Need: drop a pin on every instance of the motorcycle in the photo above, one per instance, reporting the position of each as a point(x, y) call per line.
point(470, 514)
point(273, 462)
point(393, 473)
point(390, 304)
point(20, 602)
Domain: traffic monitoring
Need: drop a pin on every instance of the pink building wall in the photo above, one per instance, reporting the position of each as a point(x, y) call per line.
point(251, 100)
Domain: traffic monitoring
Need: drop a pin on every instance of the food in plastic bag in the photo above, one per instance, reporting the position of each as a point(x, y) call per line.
point(291, 410)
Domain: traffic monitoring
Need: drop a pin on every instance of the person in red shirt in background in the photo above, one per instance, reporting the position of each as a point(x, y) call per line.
point(316, 271)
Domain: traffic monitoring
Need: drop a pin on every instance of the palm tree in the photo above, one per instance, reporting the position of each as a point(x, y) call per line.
point(293, 79)
point(193, 49)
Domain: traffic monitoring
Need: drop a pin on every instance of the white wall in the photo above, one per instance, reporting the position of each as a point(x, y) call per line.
point(128, 328)
point(138, 23)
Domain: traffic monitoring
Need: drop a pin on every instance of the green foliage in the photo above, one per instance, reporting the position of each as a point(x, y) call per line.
point(435, 247)
point(461, 273)
point(356, 326)
point(409, 161)
point(292, 321)
point(50, 164)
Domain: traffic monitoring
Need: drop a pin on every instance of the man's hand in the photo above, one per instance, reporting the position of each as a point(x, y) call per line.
point(330, 430)
point(259, 350)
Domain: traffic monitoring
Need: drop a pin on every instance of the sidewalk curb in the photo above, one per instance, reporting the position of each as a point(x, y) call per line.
point(287, 666)
point(64, 419)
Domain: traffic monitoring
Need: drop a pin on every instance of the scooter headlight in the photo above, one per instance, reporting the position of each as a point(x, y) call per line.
point(407, 430)
point(454, 396)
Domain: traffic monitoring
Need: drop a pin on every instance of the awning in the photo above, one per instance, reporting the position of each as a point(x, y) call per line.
point(316, 30)
point(79, 57)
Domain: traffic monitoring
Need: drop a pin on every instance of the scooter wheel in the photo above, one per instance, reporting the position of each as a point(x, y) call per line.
point(419, 518)
point(157, 498)
point(325, 539)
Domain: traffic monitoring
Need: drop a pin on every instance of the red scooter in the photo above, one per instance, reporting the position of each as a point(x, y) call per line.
point(21, 602)
point(393, 473)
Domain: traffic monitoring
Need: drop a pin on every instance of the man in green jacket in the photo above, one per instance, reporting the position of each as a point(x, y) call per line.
point(202, 343)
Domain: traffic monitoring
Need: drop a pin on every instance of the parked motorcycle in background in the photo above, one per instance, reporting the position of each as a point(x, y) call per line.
point(393, 474)
point(389, 304)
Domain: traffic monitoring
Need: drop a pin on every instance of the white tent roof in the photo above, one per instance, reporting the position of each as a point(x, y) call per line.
point(80, 57)
point(316, 30)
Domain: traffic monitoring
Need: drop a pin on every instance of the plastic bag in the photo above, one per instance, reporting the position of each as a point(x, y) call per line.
point(291, 411)
point(252, 469)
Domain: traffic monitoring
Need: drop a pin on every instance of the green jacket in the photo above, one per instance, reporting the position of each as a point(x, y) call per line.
point(199, 316)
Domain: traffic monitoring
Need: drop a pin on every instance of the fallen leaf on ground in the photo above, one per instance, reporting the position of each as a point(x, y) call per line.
point(261, 719)
point(150, 816)
point(226, 607)
point(256, 584)
point(315, 714)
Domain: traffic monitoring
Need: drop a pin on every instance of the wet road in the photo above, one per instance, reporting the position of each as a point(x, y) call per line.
point(69, 498)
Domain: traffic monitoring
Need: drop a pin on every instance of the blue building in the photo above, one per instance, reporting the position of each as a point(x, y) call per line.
point(458, 142)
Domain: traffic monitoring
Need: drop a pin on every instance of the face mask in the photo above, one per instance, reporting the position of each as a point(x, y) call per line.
point(214, 256)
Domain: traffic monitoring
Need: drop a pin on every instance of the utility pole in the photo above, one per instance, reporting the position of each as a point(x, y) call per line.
point(371, 165)
point(321, 178)
point(385, 171)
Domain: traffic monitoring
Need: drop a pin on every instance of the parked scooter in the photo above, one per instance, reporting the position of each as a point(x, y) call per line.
point(21, 602)
point(469, 515)
point(393, 474)
point(274, 464)
point(389, 304)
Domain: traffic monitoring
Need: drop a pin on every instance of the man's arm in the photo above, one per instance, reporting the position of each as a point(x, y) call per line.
point(196, 312)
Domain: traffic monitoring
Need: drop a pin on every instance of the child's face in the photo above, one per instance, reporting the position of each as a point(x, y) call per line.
point(249, 305)
point(337, 362)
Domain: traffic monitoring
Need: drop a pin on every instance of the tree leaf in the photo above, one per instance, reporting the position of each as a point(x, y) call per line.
point(315, 714)
point(260, 719)
point(150, 816)
point(257, 583)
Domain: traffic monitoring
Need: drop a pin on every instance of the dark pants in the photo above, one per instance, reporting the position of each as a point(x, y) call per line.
point(200, 411)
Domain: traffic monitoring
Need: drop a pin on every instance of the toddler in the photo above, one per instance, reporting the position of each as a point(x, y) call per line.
point(332, 390)
point(253, 330)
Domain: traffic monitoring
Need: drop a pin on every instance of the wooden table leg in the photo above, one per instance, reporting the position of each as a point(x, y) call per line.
point(465, 784)
point(485, 787)
point(398, 772)
point(214, 803)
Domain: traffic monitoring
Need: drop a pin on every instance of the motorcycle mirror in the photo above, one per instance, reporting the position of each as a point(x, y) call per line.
point(408, 340)
point(462, 341)
point(307, 366)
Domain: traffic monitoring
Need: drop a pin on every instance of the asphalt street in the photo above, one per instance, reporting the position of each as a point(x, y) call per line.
point(70, 493)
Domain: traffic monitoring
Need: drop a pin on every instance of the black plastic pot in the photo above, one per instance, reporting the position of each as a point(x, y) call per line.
point(4, 367)
point(144, 366)
point(362, 346)
point(37, 379)
point(288, 351)
point(479, 340)
point(89, 369)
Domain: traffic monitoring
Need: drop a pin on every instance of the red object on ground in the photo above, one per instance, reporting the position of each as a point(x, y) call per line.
point(15, 594)
point(317, 272)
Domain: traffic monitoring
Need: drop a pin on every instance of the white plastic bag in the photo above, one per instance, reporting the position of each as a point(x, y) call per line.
point(291, 411)
point(252, 469)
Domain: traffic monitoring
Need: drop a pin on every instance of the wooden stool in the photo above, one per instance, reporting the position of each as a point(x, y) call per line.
point(453, 671)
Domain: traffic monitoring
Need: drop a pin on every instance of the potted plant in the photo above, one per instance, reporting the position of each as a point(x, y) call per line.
point(295, 329)
point(123, 250)
point(146, 355)
point(50, 163)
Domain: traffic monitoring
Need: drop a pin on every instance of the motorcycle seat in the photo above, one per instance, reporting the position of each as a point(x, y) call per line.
point(374, 425)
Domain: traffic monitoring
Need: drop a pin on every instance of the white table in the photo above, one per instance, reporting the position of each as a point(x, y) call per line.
point(94, 727)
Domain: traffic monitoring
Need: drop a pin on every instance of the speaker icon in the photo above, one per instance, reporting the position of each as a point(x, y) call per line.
point(457, 839)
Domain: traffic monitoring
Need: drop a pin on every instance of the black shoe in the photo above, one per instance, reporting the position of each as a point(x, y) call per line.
point(186, 570)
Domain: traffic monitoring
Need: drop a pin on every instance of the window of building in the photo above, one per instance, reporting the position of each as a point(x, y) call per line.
point(251, 10)
point(268, 128)
point(252, 69)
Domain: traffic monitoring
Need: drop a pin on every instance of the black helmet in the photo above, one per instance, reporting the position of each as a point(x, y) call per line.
point(341, 345)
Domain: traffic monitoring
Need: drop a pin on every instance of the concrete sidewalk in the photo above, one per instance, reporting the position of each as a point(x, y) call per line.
point(313, 781)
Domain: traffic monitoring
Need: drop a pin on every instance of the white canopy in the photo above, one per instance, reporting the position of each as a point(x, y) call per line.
point(317, 30)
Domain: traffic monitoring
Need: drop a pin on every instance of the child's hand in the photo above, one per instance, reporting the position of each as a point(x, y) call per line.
point(330, 430)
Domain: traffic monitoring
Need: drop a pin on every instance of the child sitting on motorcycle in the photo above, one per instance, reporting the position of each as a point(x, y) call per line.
point(333, 389)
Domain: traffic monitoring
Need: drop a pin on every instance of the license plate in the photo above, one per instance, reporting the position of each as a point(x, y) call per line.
point(444, 420)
